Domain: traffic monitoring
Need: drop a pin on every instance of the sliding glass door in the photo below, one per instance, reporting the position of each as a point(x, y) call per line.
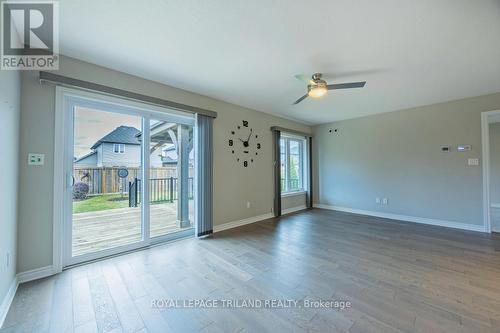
point(171, 161)
point(112, 146)
point(107, 158)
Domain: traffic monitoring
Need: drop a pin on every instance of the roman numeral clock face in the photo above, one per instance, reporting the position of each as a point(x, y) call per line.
point(244, 144)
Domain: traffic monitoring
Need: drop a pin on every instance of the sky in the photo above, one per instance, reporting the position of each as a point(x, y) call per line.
point(92, 125)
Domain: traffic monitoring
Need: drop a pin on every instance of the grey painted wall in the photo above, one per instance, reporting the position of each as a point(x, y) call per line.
point(397, 155)
point(10, 84)
point(234, 185)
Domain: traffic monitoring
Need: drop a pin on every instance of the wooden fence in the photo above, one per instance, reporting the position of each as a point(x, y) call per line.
point(106, 180)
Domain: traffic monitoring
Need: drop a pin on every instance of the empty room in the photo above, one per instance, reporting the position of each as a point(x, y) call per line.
point(250, 166)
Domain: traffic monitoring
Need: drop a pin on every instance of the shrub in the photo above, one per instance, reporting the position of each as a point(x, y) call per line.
point(80, 191)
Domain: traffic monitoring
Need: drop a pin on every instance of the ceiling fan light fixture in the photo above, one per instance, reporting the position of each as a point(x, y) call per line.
point(317, 87)
point(317, 91)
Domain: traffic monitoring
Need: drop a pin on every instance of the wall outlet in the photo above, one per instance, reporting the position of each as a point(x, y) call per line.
point(36, 159)
point(377, 200)
point(385, 201)
point(248, 204)
point(473, 161)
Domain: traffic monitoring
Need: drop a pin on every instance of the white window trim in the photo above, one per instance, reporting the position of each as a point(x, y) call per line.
point(118, 145)
point(293, 193)
point(302, 168)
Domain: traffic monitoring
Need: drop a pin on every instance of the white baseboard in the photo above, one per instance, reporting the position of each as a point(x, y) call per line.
point(7, 301)
point(35, 274)
point(254, 219)
point(293, 209)
point(239, 223)
point(22, 277)
point(423, 220)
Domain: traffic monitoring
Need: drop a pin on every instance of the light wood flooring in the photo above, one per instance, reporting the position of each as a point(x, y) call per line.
point(399, 277)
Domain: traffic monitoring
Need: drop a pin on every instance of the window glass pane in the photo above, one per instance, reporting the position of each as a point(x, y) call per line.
point(283, 164)
point(119, 148)
point(295, 171)
point(106, 192)
point(171, 206)
point(292, 164)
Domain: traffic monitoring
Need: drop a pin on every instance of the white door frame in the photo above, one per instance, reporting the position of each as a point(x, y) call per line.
point(485, 138)
point(66, 98)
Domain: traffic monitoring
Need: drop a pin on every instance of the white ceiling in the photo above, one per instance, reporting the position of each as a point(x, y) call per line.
point(246, 52)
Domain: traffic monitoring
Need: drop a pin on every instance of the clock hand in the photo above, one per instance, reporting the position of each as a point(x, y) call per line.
point(249, 135)
point(245, 143)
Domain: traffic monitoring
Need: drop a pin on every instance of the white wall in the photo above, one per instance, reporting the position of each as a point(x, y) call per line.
point(397, 155)
point(10, 85)
point(293, 201)
point(234, 185)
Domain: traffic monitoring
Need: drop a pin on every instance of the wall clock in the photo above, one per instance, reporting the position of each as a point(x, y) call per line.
point(244, 144)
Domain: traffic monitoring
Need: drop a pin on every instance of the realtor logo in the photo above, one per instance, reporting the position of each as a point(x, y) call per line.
point(30, 35)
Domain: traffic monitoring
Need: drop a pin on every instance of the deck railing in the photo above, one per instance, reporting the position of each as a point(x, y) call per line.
point(160, 190)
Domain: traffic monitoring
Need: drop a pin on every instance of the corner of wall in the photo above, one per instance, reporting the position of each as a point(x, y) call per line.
point(10, 101)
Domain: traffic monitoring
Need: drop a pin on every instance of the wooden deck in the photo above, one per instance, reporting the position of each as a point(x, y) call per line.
point(95, 231)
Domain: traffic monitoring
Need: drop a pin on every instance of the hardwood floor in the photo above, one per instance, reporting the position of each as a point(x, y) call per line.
point(399, 277)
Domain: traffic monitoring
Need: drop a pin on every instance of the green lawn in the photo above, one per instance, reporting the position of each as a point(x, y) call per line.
point(100, 202)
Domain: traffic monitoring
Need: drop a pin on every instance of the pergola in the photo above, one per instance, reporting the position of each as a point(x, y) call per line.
point(181, 136)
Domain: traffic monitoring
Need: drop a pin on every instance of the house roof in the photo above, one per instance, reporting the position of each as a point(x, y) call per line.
point(122, 134)
point(85, 156)
point(168, 160)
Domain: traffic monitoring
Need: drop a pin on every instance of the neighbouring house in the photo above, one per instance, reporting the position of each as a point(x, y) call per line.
point(169, 156)
point(122, 148)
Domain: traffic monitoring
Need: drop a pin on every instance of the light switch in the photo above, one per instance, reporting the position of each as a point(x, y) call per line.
point(36, 159)
point(462, 148)
point(473, 161)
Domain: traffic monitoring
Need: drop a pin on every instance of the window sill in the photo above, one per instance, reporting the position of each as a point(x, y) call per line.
point(292, 194)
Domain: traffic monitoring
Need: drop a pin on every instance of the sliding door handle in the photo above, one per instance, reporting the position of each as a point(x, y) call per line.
point(70, 181)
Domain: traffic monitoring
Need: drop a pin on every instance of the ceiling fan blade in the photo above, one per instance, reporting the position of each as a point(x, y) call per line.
point(303, 78)
point(346, 85)
point(301, 99)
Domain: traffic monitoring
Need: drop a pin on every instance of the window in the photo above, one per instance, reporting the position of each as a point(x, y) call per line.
point(292, 164)
point(119, 148)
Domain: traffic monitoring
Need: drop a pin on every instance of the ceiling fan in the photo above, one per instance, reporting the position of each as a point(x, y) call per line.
point(316, 87)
